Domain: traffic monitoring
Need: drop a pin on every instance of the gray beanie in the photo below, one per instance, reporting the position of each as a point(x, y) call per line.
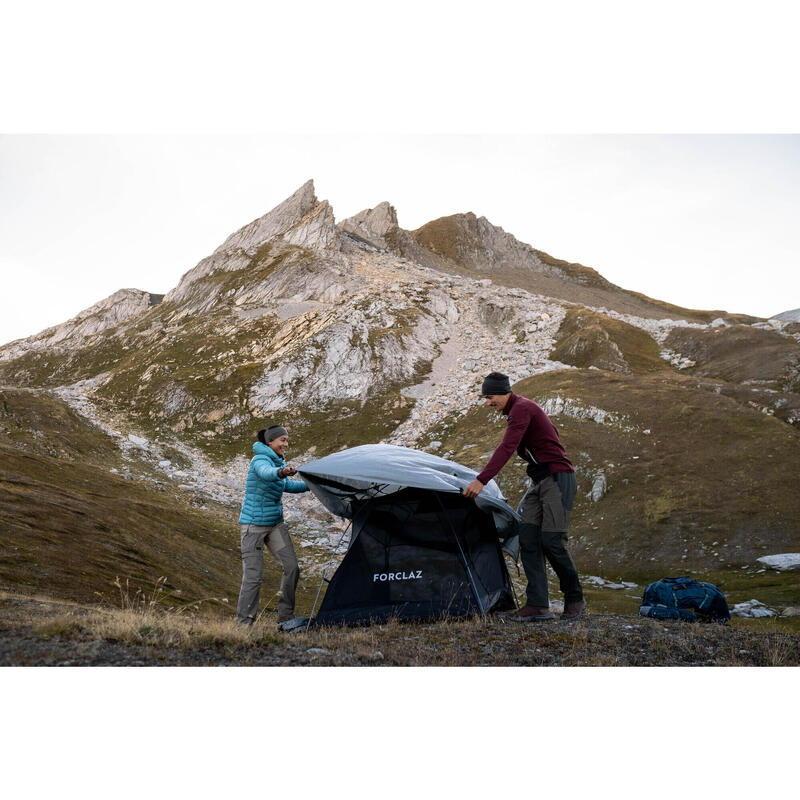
point(496, 383)
point(273, 432)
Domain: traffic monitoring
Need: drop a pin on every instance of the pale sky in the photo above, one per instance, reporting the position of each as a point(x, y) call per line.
point(702, 221)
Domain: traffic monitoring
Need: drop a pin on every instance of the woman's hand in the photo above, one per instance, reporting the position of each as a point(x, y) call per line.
point(286, 472)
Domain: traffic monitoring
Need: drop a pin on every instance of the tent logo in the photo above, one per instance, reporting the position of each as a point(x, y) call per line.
point(397, 576)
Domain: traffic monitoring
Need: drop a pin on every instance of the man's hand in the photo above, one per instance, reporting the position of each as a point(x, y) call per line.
point(473, 489)
point(286, 472)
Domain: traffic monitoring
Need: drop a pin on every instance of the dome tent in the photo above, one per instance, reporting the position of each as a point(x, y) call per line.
point(418, 549)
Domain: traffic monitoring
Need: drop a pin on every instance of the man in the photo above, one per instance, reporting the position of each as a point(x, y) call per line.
point(546, 506)
point(261, 522)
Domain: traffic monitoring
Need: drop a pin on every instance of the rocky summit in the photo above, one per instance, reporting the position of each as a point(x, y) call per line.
point(132, 423)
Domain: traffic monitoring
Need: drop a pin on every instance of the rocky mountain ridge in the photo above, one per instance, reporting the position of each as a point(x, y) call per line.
point(123, 305)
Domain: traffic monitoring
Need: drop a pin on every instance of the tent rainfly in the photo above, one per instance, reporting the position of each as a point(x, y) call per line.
point(418, 548)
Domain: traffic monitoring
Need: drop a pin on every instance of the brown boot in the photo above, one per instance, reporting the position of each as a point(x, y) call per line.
point(574, 609)
point(531, 614)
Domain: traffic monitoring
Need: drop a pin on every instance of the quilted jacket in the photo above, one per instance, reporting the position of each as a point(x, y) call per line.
point(263, 488)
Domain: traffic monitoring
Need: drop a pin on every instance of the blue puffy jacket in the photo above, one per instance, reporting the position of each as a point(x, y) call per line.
point(263, 489)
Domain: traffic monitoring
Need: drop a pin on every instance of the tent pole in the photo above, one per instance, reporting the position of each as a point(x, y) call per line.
point(463, 557)
point(325, 572)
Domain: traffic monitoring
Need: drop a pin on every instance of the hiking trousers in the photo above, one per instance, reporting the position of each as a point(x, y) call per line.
point(545, 511)
point(277, 539)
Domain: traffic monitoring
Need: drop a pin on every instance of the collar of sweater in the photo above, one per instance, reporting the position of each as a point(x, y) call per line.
point(264, 450)
point(509, 405)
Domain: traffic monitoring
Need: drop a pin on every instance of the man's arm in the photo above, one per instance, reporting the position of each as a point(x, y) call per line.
point(508, 445)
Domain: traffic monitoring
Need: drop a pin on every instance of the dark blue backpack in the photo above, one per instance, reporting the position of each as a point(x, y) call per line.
point(680, 598)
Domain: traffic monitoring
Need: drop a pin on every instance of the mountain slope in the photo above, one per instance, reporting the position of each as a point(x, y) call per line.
point(74, 517)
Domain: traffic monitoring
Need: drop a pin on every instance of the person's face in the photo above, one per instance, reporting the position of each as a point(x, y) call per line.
point(496, 401)
point(279, 445)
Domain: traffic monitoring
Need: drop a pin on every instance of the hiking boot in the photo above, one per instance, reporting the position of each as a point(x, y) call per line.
point(531, 614)
point(573, 610)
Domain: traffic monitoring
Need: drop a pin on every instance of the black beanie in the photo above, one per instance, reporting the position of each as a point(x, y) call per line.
point(496, 383)
point(273, 432)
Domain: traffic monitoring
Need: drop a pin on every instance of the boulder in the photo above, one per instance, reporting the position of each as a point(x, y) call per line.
point(752, 608)
point(599, 487)
point(781, 561)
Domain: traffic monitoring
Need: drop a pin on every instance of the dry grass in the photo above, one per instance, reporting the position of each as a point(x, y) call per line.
point(156, 627)
point(141, 618)
point(143, 632)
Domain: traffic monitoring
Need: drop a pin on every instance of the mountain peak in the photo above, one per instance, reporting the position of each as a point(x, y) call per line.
point(300, 219)
point(373, 224)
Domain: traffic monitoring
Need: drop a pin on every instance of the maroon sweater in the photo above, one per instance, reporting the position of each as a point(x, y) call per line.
point(528, 427)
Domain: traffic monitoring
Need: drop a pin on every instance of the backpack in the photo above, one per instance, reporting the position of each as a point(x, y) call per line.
point(680, 598)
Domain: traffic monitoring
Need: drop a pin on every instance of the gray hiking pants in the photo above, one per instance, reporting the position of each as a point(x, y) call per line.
point(545, 511)
point(280, 545)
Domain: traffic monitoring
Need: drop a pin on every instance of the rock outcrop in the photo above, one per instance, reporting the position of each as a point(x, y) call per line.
point(373, 225)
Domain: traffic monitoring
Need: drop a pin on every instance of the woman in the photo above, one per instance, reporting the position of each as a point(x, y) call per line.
point(262, 523)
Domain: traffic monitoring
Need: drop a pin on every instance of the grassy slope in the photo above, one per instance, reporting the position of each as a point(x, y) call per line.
point(587, 338)
point(69, 530)
point(759, 368)
point(70, 526)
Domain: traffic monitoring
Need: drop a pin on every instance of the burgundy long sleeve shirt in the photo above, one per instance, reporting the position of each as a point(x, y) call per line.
point(528, 428)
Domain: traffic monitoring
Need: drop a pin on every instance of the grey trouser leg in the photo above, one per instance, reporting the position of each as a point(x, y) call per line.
point(252, 570)
point(530, 551)
point(546, 510)
point(280, 545)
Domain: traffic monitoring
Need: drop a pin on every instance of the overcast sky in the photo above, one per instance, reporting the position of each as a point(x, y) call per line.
point(703, 221)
